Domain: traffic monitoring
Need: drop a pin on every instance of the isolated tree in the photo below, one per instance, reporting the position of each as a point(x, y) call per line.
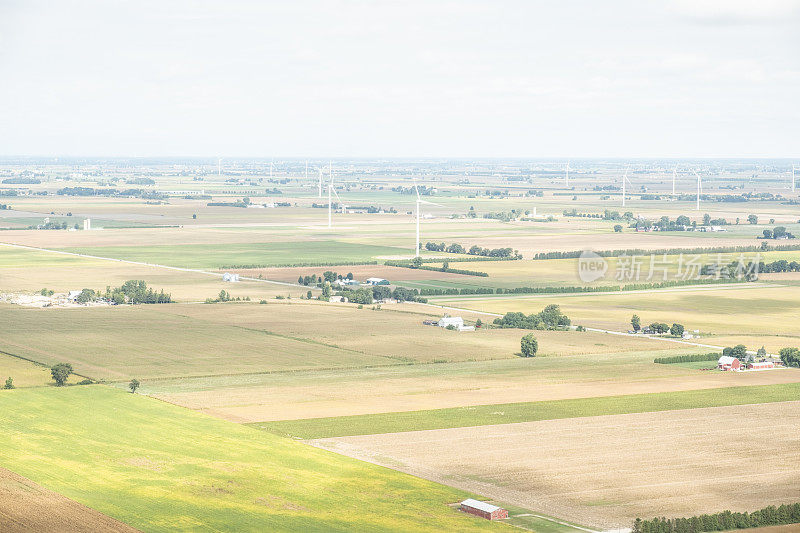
point(300, 280)
point(529, 345)
point(636, 323)
point(133, 385)
point(739, 352)
point(60, 373)
point(416, 262)
point(618, 228)
point(762, 352)
point(445, 266)
point(194, 217)
point(308, 295)
point(752, 219)
point(676, 330)
point(9, 383)
point(478, 323)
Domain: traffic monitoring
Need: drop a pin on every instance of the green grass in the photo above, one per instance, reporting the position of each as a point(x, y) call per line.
point(159, 467)
point(214, 256)
point(481, 415)
point(537, 524)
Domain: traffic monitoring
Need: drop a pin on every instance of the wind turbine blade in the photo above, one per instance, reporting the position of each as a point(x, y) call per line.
point(430, 203)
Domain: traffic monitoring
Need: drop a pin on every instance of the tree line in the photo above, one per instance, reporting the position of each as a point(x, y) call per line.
point(697, 357)
point(456, 248)
point(726, 520)
point(670, 251)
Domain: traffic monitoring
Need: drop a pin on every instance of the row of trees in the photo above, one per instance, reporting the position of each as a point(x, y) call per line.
point(726, 520)
point(329, 276)
point(779, 232)
point(366, 295)
point(550, 317)
point(574, 254)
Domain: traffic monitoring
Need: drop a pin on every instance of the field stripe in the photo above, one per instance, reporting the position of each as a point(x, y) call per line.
point(483, 415)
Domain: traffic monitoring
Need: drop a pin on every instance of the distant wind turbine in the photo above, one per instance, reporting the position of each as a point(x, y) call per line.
point(625, 180)
point(219, 167)
point(793, 182)
point(319, 184)
point(566, 175)
point(330, 189)
point(420, 201)
point(674, 175)
point(699, 189)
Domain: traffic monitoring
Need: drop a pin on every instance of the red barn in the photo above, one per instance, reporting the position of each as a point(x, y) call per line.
point(761, 365)
point(729, 363)
point(483, 509)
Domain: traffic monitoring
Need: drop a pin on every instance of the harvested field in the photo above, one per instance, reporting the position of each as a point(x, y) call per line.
point(26, 506)
point(608, 470)
point(336, 393)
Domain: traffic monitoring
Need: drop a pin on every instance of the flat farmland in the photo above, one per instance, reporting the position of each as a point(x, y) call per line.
point(28, 271)
point(760, 309)
point(348, 392)
point(607, 470)
point(215, 256)
point(126, 342)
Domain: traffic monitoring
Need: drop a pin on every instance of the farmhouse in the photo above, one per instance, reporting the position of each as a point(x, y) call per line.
point(483, 509)
point(729, 363)
point(377, 281)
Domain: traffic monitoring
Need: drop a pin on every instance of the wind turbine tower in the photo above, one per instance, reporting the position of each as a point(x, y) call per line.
point(219, 167)
point(420, 201)
point(793, 168)
point(330, 189)
point(624, 180)
point(319, 185)
point(566, 175)
point(674, 175)
point(699, 189)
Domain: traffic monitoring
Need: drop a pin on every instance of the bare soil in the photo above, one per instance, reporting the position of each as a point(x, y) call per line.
point(26, 506)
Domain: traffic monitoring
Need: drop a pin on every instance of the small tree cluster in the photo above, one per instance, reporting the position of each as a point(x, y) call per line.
point(550, 317)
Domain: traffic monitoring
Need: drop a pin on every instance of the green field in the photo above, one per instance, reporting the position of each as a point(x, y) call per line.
point(215, 256)
point(479, 415)
point(158, 467)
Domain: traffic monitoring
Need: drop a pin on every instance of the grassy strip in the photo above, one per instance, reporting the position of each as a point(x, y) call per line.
point(481, 415)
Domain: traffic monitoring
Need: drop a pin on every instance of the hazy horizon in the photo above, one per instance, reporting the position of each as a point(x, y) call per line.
point(419, 80)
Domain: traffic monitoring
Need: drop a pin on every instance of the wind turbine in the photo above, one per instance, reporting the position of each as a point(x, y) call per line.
point(271, 164)
point(420, 201)
point(699, 189)
point(319, 185)
point(674, 174)
point(624, 180)
point(219, 167)
point(566, 175)
point(330, 188)
point(793, 168)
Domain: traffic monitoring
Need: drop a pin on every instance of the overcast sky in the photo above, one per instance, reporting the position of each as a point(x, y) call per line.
point(560, 78)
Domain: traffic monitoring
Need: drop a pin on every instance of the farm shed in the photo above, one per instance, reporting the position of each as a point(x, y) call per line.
point(230, 277)
point(377, 281)
point(761, 365)
point(729, 363)
point(483, 509)
point(455, 321)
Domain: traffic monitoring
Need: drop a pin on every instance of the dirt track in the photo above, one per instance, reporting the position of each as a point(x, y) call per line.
point(26, 506)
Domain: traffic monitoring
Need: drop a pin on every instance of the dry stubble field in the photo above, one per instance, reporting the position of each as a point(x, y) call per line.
point(607, 470)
